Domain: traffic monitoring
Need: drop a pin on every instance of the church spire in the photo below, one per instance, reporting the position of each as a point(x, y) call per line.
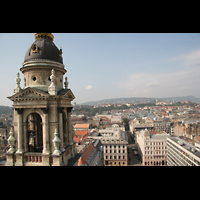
point(44, 35)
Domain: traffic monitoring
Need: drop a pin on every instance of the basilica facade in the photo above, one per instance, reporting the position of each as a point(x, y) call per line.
point(42, 134)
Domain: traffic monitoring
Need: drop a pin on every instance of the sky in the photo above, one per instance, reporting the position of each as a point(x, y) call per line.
point(113, 65)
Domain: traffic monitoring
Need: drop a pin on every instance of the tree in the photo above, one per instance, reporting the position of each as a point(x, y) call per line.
point(125, 120)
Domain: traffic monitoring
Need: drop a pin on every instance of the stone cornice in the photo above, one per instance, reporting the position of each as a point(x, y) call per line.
point(38, 64)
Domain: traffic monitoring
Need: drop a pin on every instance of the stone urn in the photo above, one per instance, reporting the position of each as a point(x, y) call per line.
point(56, 142)
point(11, 142)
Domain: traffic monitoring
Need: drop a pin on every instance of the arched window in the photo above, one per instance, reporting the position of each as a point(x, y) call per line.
point(35, 136)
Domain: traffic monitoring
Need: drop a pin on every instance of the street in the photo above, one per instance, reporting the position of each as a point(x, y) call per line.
point(133, 157)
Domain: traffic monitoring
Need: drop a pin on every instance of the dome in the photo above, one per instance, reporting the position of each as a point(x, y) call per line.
point(43, 48)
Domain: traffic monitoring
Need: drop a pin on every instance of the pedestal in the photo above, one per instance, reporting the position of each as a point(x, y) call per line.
point(19, 159)
point(10, 159)
point(57, 160)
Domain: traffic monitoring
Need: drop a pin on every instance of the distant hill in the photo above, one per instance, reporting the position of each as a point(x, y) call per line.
point(141, 100)
point(121, 101)
point(6, 110)
point(186, 98)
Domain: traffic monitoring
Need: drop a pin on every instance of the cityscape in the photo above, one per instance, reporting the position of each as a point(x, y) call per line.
point(46, 127)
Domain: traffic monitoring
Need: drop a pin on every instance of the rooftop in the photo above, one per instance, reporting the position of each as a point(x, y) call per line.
point(186, 143)
point(81, 126)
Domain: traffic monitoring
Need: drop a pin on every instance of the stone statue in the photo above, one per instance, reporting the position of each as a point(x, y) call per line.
point(66, 83)
point(17, 88)
point(52, 89)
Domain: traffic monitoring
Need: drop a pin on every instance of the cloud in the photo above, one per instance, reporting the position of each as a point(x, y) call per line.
point(189, 59)
point(163, 84)
point(183, 80)
point(152, 84)
point(88, 87)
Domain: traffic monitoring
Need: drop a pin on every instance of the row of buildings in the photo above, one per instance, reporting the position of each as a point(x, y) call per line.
point(112, 145)
point(162, 149)
point(151, 127)
point(168, 135)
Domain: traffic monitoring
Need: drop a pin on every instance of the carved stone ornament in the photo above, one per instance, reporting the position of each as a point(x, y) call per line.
point(34, 48)
point(60, 52)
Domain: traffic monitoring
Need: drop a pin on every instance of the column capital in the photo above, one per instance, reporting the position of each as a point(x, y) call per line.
point(45, 110)
point(19, 110)
point(69, 109)
point(60, 109)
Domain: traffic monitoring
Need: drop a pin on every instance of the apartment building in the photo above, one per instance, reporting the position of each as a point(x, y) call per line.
point(162, 125)
point(188, 127)
point(152, 148)
point(115, 144)
point(139, 124)
point(182, 151)
point(115, 152)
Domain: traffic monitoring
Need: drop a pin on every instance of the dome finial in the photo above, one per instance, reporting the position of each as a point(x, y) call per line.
point(44, 35)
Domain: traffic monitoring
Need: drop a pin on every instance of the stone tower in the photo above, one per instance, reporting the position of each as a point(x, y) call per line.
point(42, 109)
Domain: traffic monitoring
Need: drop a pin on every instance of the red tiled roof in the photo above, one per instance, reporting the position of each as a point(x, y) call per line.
point(103, 117)
point(81, 132)
point(77, 139)
point(85, 136)
point(80, 161)
point(106, 120)
point(153, 132)
point(87, 153)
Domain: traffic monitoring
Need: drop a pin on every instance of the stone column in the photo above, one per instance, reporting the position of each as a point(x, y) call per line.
point(20, 131)
point(69, 125)
point(66, 133)
point(45, 132)
point(60, 123)
point(25, 124)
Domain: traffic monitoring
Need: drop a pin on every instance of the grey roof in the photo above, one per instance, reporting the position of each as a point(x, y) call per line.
point(46, 50)
point(62, 92)
point(185, 145)
point(162, 136)
point(191, 121)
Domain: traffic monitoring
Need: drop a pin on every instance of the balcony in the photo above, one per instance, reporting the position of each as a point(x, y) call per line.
point(33, 157)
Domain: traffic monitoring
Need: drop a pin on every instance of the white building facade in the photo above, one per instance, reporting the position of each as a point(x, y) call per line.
point(152, 148)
